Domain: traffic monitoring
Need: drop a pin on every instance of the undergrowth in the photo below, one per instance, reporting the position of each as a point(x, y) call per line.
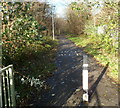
point(36, 62)
point(102, 53)
point(32, 66)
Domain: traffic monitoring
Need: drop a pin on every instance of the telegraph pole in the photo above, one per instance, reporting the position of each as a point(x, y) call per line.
point(53, 24)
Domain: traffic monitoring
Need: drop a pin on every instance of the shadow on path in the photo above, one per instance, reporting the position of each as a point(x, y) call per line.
point(93, 90)
point(94, 86)
point(66, 83)
point(68, 76)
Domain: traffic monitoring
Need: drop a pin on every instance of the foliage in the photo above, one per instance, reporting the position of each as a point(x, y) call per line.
point(77, 17)
point(21, 36)
point(20, 29)
point(99, 52)
point(26, 48)
point(103, 45)
point(35, 62)
point(43, 17)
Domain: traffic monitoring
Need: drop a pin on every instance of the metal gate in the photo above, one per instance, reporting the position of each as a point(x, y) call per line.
point(7, 91)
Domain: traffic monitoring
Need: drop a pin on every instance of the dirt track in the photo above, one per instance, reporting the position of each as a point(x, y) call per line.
point(66, 83)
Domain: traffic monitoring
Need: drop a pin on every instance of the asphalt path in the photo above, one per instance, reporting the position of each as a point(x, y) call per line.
point(66, 82)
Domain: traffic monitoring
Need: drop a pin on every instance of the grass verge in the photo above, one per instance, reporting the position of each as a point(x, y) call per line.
point(98, 50)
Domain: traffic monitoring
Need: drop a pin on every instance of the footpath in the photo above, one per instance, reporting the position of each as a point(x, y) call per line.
point(66, 82)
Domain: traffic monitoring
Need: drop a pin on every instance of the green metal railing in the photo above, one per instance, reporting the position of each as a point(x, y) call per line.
point(7, 91)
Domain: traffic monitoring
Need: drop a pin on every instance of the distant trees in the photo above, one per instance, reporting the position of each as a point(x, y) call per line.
point(60, 26)
point(81, 18)
point(42, 13)
point(77, 16)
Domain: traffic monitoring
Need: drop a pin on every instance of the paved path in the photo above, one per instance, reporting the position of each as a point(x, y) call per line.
point(66, 83)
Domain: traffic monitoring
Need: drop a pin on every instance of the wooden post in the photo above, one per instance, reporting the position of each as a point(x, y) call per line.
point(85, 78)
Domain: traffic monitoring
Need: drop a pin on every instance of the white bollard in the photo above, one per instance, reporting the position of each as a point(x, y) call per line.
point(85, 78)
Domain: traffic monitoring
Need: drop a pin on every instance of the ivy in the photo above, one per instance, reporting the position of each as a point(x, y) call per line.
point(20, 28)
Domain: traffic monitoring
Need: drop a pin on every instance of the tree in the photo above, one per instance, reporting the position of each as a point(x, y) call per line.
point(60, 26)
point(77, 16)
point(42, 13)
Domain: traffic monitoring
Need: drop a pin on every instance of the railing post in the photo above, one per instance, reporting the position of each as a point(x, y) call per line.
point(12, 88)
point(1, 101)
point(4, 90)
point(85, 79)
point(8, 88)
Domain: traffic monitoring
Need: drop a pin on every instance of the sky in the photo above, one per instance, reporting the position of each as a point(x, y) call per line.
point(61, 5)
